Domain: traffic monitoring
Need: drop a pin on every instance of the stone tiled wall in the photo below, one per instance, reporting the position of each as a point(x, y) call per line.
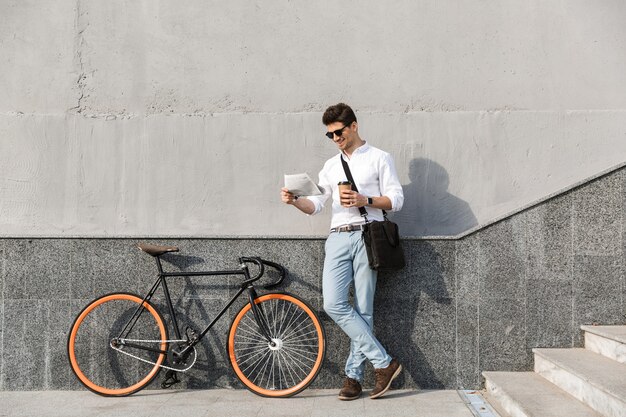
point(460, 307)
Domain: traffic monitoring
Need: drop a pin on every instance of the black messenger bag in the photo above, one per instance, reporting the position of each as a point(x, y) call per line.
point(381, 238)
point(382, 242)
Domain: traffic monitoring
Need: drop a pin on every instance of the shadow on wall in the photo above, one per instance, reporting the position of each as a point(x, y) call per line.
point(429, 209)
point(420, 307)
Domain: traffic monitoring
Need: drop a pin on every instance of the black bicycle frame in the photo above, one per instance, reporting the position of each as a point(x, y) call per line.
point(246, 285)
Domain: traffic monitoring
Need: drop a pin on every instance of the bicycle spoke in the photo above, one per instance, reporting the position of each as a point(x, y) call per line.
point(282, 317)
point(289, 368)
point(281, 370)
point(270, 379)
point(251, 355)
point(305, 345)
point(277, 317)
point(270, 319)
point(251, 338)
point(255, 364)
point(301, 352)
point(313, 331)
point(262, 363)
point(297, 358)
point(253, 327)
point(292, 320)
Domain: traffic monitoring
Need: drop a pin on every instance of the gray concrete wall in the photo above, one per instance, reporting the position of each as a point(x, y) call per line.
point(458, 308)
point(136, 118)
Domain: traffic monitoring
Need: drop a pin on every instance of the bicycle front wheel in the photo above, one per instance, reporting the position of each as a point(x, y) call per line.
point(289, 363)
point(115, 344)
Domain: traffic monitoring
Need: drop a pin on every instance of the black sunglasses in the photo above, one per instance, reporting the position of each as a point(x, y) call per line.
point(338, 132)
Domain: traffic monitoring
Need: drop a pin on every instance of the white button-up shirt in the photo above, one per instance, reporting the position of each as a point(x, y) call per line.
point(375, 175)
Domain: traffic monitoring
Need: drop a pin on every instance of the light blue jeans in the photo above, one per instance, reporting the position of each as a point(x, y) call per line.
point(345, 263)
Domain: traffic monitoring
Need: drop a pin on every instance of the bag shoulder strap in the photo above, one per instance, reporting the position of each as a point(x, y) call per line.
point(346, 169)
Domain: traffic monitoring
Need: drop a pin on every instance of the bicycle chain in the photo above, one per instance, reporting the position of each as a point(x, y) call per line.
point(195, 353)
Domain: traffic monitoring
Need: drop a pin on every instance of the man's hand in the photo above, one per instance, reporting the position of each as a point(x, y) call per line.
point(287, 197)
point(303, 204)
point(351, 198)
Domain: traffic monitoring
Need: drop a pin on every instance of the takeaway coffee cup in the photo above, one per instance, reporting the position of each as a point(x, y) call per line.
point(344, 185)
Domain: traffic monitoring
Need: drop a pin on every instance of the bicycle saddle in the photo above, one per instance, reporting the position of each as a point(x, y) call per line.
point(156, 250)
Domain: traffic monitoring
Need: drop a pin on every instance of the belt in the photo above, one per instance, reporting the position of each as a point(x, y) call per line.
point(347, 228)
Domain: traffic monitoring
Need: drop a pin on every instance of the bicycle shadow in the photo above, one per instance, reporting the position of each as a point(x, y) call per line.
point(182, 262)
point(197, 304)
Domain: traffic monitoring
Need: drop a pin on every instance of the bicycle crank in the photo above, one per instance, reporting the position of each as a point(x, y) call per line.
point(179, 361)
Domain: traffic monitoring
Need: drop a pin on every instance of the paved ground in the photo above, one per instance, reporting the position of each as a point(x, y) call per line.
point(227, 403)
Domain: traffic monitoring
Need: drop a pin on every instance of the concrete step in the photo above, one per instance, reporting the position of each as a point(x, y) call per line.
point(527, 394)
point(593, 379)
point(609, 341)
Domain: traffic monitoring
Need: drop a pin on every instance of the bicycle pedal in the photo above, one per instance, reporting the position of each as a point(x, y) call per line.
point(171, 378)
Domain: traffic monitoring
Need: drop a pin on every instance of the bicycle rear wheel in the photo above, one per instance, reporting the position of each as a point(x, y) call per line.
point(96, 345)
point(292, 363)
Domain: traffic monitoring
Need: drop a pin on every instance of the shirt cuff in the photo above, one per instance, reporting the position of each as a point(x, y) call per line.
point(397, 201)
point(317, 204)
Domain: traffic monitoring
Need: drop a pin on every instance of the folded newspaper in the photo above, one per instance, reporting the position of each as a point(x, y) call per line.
point(302, 185)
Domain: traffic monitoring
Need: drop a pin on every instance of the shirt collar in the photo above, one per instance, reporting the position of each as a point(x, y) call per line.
point(360, 149)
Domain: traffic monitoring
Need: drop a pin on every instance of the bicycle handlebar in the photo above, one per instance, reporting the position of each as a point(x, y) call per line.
point(280, 269)
point(255, 260)
point(260, 263)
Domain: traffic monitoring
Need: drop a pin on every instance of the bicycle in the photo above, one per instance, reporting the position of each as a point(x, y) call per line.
point(276, 342)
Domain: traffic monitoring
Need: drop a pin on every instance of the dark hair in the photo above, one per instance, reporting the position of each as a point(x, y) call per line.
point(339, 113)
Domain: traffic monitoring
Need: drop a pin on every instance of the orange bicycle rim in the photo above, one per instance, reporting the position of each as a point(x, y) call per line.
point(318, 363)
point(72, 355)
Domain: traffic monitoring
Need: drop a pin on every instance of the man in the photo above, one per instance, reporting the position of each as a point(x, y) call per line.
point(346, 262)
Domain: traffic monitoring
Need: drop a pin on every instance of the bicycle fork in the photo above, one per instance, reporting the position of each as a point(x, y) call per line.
point(259, 317)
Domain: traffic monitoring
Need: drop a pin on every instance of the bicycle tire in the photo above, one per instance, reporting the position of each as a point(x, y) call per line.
point(293, 364)
point(96, 364)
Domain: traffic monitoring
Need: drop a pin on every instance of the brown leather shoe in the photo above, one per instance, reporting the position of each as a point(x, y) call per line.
point(384, 377)
point(351, 390)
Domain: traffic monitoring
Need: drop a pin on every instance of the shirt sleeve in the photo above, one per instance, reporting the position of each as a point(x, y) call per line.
point(319, 200)
point(390, 184)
